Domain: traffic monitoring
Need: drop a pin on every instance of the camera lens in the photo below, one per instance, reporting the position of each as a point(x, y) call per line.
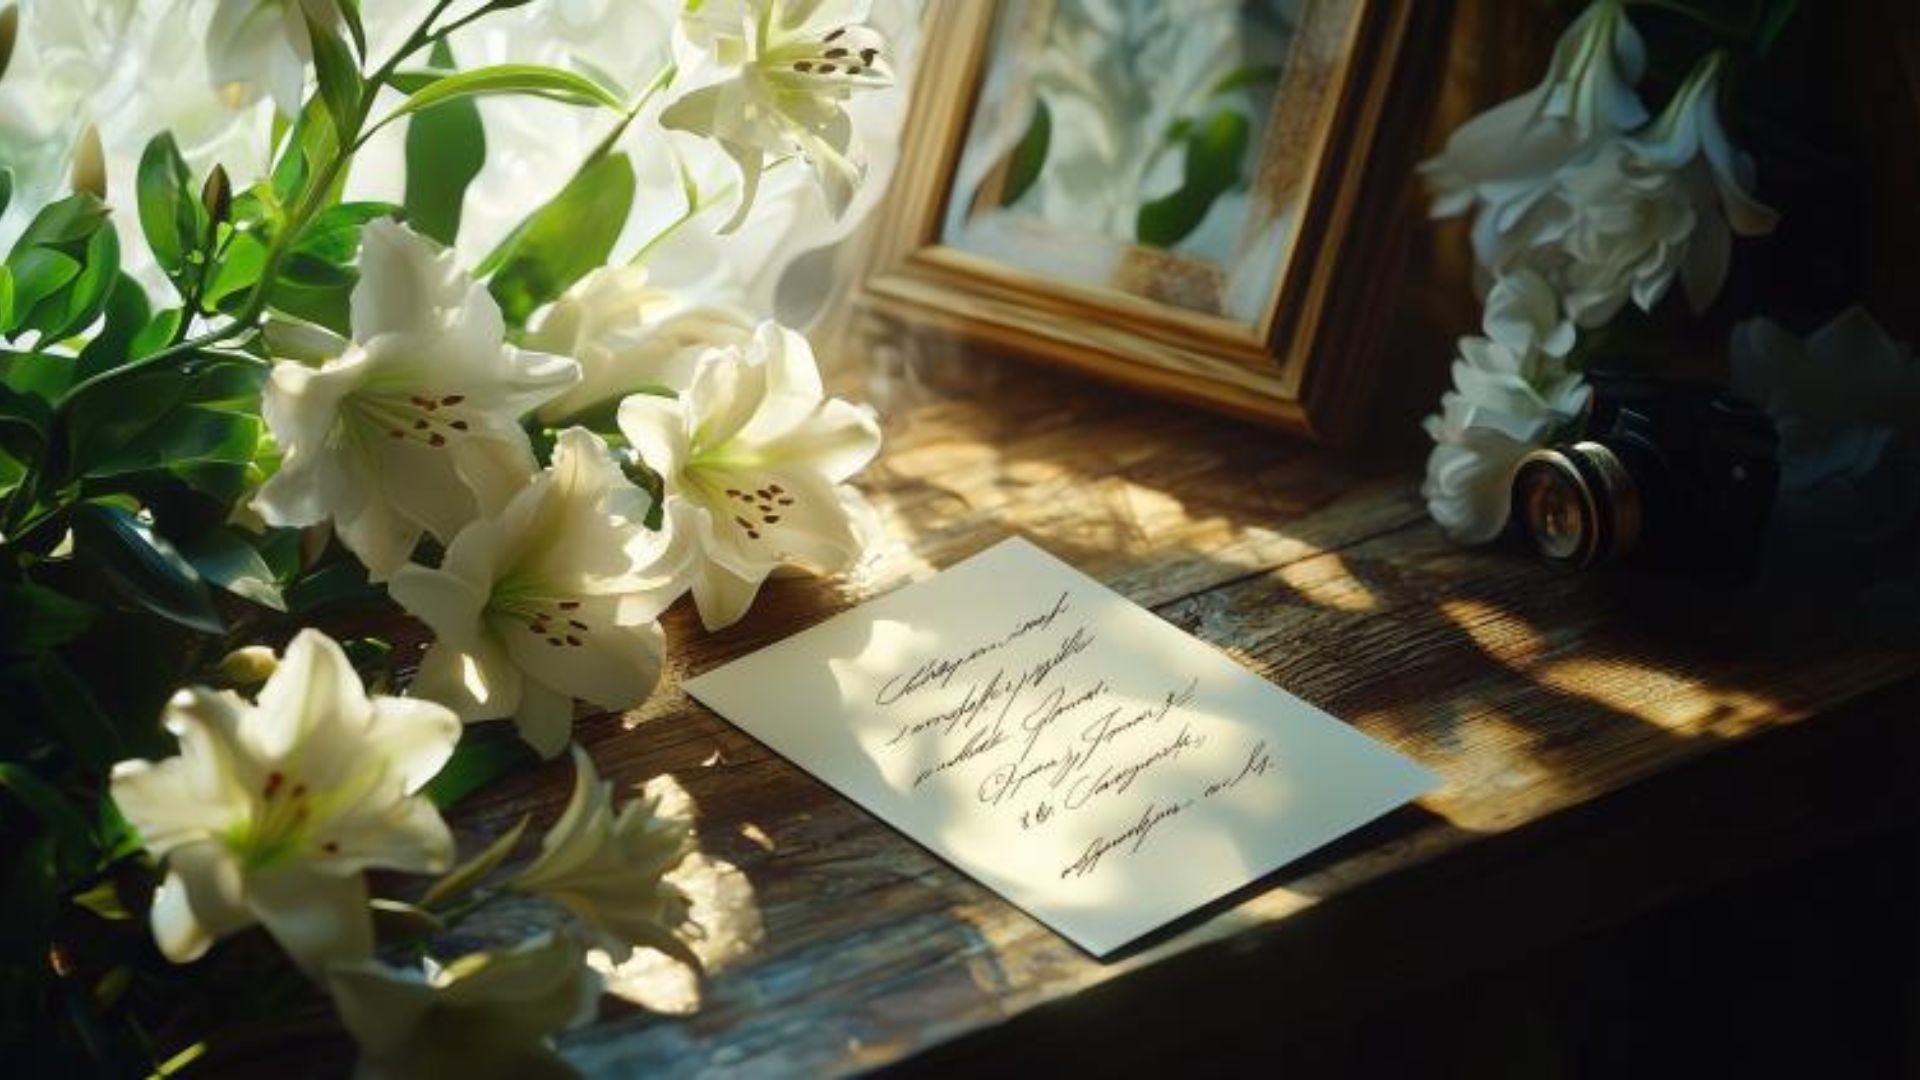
point(1555, 507)
point(1577, 503)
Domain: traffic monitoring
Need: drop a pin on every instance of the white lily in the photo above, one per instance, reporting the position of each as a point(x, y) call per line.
point(1689, 143)
point(628, 335)
point(1840, 398)
point(1512, 392)
point(610, 870)
point(413, 426)
point(273, 808)
point(788, 68)
point(553, 599)
point(754, 456)
point(484, 1015)
point(1639, 213)
point(263, 47)
point(1505, 160)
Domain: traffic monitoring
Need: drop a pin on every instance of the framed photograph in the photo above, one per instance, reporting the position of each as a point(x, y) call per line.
point(1201, 199)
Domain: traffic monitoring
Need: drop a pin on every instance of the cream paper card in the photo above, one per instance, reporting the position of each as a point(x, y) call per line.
point(1081, 757)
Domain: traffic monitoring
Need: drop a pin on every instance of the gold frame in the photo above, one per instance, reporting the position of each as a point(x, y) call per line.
point(1280, 370)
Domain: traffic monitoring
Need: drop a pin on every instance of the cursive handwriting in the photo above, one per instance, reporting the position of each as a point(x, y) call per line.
point(973, 707)
point(1118, 778)
point(1054, 747)
point(1098, 847)
point(940, 671)
point(1258, 762)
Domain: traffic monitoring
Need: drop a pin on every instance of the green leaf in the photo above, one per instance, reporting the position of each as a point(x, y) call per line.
point(1029, 154)
point(396, 922)
point(64, 268)
point(301, 268)
point(1215, 149)
point(29, 886)
point(34, 618)
point(37, 274)
point(43, 694)
point(356, 29)
point(314, 138)
point(327, 303)
point(446, 148)
point(41, 374)
point(201, 409)
point(341, 581)
point(339, 76)
point(104, 900)
point(1246, 75)
point(24, 419)
point(127, 314)
point(239, 270)
point(156, 333)
point(6, 189)
point(144, 565)
point(67, 825)
point(470, 873)
point(1773, 22)
point(170, 216)
point(225, 559)
point(412, 82)
point(69, 221)
point(563, 240)
point(484, 754)
point(6, 296)
point(92, 286)
point(333, 236)
point(118, 837)
point(188, 434)
point(533, 79)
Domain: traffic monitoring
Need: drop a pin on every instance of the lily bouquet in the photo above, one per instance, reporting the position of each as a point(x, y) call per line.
point(254, 407)
point(1593, 214)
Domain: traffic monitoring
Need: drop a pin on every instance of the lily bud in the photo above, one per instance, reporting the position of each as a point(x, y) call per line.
point(248, 666)
point(217, 195)
point(90, 164)
point(9, 30)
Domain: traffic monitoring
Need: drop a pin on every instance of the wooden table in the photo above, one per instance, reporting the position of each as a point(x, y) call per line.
point(1606, 742)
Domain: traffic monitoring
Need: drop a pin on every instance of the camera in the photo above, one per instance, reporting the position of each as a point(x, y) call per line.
point(1673, 476)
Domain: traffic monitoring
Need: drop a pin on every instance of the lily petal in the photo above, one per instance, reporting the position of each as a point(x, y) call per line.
point(614, 667)
point(544, 719)
point(202, 898)
point(478, 684)
point(313, 692)
point(417, 736)
point(318, 918)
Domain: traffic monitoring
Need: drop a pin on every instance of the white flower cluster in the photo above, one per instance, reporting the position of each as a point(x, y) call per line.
point(275, 808)
point(1582, 203)
point(1841, 399)
point(551, 581)
point(215, 73)
point(719, 458)
point(1512, 392)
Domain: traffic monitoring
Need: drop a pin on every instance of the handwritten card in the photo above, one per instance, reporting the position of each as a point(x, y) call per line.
point(1086, 760)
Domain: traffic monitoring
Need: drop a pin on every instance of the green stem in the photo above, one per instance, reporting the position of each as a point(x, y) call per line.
point(605, 147)
point(695, 204)
point(454, 26)
point(473, 903)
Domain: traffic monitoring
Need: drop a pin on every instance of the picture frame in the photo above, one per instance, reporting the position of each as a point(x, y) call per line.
point(1333, 191)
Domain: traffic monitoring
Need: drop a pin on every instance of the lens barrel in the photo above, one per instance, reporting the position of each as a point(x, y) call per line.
point(1578, 504)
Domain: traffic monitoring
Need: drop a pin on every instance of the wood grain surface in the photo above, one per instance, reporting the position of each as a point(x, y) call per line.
point(1591, 732)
